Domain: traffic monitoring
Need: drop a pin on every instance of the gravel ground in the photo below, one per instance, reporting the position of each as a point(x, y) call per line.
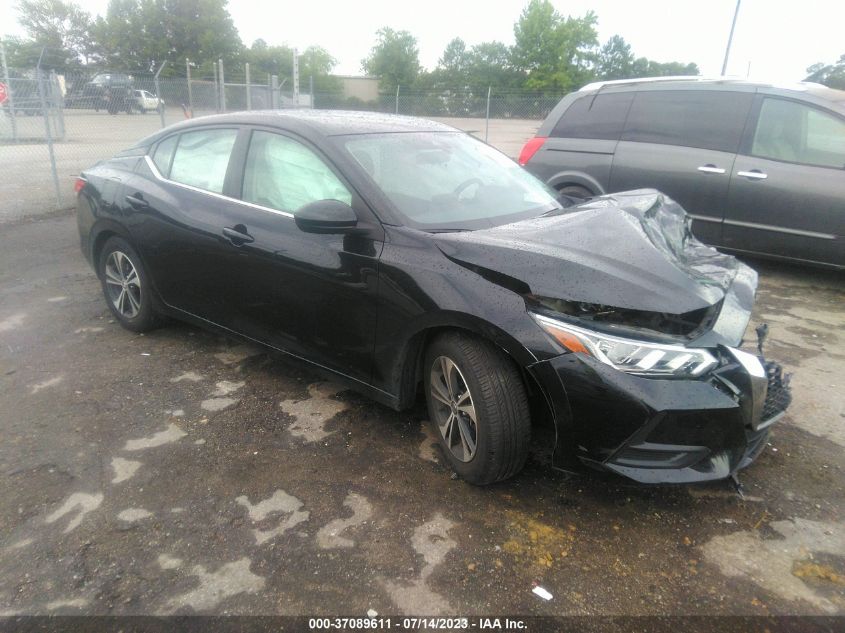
point(181, 472)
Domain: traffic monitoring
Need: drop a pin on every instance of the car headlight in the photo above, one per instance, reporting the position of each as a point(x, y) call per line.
point(629, 355)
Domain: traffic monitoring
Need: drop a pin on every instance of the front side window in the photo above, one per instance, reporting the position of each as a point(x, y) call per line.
point(797, 133)
point(284, 174)
point(202, 157)
point(449, 181)
point(706, 119)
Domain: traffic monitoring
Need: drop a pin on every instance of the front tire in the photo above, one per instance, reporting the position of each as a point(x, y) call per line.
point(126, 286)
point(478, 408)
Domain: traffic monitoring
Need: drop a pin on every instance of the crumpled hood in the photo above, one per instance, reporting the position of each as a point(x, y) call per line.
point(631, 250)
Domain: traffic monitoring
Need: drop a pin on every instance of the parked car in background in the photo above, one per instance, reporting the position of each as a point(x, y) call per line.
point(760, 167)
point(403, 256)
point(147, 102)
point(105, 91)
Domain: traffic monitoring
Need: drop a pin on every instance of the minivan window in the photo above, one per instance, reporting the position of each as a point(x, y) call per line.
point(202, 157)
point(797, 133)
point(706, 119)
point(600, 116)
point(283, 174)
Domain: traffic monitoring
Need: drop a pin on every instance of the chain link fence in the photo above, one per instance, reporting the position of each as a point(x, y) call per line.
point(54, 125)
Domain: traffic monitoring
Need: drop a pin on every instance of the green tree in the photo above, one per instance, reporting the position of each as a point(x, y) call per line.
point(394, 59)
point(139, 35)
point(831, 75)
point(60, 27)
point(643, 67)
point(615, 60)
point(314, 61)
point(555, 53)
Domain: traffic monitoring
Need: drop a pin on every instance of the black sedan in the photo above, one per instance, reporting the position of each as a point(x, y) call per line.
point(403, 256)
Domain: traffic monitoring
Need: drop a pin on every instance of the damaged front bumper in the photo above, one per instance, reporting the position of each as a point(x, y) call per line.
point(657, 430)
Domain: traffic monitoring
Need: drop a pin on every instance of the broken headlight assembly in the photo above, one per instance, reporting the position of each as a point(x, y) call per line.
point(629, 355)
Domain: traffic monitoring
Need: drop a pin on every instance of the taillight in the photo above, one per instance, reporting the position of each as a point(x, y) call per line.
point(78, 184)
point(531, 148)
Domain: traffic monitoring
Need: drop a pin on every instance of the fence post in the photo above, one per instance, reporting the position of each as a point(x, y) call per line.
point(487, 119)
point(159, 107)
point(190, 92)
point(222, 86)
point(248, 88)
point(45, 112)
point(274, 92)
point(57, 102)
point(216, 89)
point(397, 99)
point(9, 96)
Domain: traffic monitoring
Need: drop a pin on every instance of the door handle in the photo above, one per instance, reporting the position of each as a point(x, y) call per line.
point(709, 168)
point(754, 174)
point(137, 201)
point(238, 237)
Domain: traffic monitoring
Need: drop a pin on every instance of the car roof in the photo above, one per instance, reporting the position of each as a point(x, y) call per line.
point(693, 81)
point(312, 123)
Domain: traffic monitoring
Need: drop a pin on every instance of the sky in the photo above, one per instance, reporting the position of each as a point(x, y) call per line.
point(775, 40)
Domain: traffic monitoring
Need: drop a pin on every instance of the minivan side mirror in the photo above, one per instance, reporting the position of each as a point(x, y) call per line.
point(325, 216)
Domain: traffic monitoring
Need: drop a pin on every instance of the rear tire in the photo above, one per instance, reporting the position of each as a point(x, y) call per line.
point(479, 413)
point(576, 191)
point(126, 286)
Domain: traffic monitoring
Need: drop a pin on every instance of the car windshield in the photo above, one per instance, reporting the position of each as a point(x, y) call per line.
point(449, 181)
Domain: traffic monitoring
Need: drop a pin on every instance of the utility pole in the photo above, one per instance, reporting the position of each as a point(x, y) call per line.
point(730, 39)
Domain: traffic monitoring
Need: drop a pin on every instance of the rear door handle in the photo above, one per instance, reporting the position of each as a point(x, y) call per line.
point(754, 174)
point(137, 201)
point(709, 168)
point(238, 237)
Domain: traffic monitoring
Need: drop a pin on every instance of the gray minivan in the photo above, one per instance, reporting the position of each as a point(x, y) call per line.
point(759, 167)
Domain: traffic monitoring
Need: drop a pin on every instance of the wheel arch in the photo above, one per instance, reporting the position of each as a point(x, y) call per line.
point(409, 368)
point(100, 234)
point(580, 179)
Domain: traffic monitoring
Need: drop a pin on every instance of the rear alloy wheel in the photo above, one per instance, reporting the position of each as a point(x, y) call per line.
point(478, 408)
point(125, 287)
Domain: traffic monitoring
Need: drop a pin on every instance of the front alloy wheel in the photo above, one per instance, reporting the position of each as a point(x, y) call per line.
point(454, 410)
point(478, 407)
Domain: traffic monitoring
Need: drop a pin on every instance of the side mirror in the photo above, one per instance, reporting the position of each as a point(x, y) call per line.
point(325, 216)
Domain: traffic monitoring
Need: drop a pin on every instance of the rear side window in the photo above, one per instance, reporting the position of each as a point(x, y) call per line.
point(202, 157)
point(600, 116)
point(707, 119)
point(163, 155)
point(797, 133)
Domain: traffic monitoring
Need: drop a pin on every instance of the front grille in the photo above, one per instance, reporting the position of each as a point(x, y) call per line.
point(779, 395)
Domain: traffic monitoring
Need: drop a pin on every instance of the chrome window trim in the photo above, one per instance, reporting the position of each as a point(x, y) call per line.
point(214, 194)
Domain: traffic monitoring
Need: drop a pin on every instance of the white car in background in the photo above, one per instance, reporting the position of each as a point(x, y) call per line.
point(146, 101)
